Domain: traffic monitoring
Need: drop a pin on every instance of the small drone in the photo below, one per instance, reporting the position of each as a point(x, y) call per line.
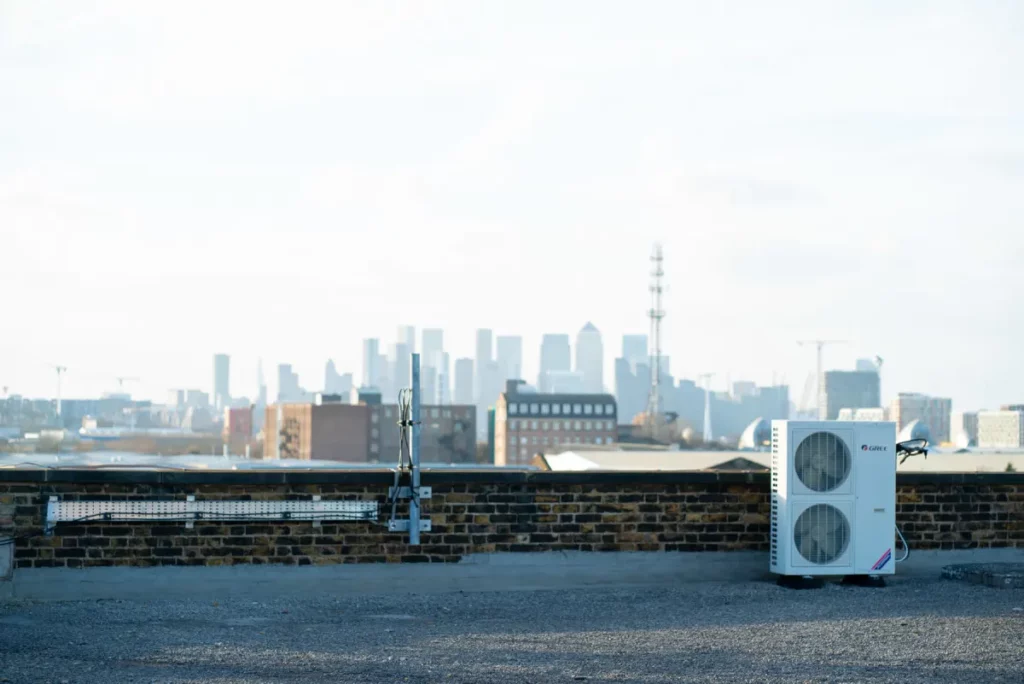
point(912, 447)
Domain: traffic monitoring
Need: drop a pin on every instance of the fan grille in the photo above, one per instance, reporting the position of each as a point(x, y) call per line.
point(821, 534)
point(822, 461)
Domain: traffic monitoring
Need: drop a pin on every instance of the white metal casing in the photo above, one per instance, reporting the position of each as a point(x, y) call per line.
point(866, 497)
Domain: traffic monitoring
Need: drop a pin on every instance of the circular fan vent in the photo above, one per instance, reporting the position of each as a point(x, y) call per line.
point(821, 534)
point(822, 461)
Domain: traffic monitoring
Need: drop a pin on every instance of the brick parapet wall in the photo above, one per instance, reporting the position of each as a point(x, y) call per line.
point(472, 512)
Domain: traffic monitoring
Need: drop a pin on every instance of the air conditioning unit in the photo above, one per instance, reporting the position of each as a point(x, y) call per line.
point(833, 498)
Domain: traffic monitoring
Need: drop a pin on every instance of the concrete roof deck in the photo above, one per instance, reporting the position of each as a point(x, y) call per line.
point(919, 629)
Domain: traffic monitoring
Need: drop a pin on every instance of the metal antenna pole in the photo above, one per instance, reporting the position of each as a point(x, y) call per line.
point(656, 313)
point(414, 500)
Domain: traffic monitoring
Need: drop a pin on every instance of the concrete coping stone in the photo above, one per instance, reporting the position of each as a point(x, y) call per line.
point(510, 476)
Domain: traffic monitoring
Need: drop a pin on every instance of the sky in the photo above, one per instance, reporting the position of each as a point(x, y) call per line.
point(281, 180)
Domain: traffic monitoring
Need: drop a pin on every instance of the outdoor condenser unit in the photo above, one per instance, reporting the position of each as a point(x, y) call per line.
point(833, 498)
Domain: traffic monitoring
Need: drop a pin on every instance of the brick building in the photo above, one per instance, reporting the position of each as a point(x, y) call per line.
point(237, 428)
point(526, 422)
point(367, 433)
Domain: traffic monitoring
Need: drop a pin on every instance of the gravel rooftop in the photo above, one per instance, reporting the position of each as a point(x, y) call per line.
point(912, 631)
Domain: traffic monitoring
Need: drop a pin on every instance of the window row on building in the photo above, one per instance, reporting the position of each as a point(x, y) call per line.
point(548, 441)
point(545, 425)
point(544, 409)
point(432, 412)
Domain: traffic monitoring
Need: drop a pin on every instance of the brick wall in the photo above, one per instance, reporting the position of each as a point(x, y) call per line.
point(474, 512)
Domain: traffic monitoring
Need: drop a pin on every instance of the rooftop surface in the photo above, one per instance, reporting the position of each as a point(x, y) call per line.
point(916, 630)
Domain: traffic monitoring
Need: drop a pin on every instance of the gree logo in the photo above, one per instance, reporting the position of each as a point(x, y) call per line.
point(865, 447)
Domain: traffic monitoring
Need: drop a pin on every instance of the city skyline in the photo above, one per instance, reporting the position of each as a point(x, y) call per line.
point(305, 374)
point(165, 195)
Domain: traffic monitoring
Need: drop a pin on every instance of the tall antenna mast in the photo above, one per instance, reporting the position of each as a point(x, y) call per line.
point(655, 313)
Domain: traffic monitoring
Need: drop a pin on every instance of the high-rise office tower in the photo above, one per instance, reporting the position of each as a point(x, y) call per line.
point(634, 349)
point(385, 382)
point(555, 355)
point(407, 336)
point(433, 345)
point(287, 383)
point(261, 383)
point(484, 356)
point(335, 382)
point(510, 357)
point(221, 380)
point(444, 380)
point(401, 364)
point(371, 359)
point(590, 359)
point(463, 381)
point(849, 389)
point(633, 376)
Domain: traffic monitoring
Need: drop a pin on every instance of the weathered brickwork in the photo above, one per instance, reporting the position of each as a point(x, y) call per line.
point(967, 516)
point(486, 513)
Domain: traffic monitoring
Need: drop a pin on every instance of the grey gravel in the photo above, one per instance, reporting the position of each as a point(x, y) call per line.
point(912, 631)
point(998, 575)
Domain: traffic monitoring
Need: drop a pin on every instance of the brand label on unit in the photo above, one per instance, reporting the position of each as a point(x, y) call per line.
point(868, 447)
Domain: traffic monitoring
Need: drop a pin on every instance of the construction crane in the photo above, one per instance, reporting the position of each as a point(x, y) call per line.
point(121, 380)
point(820, 344)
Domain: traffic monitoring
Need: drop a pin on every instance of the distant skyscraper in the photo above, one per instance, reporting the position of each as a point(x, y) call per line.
point(407, 336)
point(849, 389)
point(567, 382)
point(385, 381)
point(555, 355)
point(401, 363)
point(484, 356)
point(221, 380)
point(335, 382)
point(634, 349)
point(510, 357)
point(632, 387)
point(433, 345)
point(866, 365)
point(371, 358)
point(590, 359)
point(431, 352)
point(743, 388)
point(288, 384)
point(463, 381)
point(444, 380)
point(261, 384)
point(632, 376)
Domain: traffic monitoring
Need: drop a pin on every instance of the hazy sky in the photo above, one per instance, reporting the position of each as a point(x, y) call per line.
point(282, 180)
